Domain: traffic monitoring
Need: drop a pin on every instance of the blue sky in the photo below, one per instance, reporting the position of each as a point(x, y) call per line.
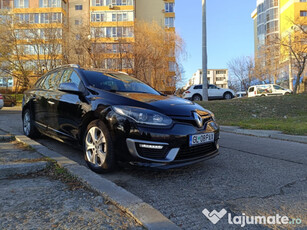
point(229, 29)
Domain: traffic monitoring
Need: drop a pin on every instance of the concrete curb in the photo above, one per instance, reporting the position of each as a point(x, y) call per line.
point(142, 212)
point(9, 170)
point(6, 138)
point(265, 133)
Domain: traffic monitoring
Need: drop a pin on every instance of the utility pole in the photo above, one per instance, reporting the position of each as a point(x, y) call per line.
point(204, 51)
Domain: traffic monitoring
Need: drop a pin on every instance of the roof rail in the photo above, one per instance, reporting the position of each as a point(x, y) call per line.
point(67, 65)
point(71, 65)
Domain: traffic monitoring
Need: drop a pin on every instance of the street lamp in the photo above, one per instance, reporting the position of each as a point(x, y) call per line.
point(204, 51)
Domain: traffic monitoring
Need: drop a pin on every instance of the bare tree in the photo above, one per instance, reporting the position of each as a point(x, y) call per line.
point(242, 69)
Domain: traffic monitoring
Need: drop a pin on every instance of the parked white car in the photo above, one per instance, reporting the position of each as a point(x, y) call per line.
point(1, 101)
point(195, 91)
point(267, 90)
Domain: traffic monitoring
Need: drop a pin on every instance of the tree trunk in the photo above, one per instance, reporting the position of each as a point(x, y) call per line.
point(297, 83)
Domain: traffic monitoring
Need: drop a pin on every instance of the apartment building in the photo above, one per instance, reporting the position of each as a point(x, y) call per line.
point(279, 18)
point(108, 25)
point(218, 77)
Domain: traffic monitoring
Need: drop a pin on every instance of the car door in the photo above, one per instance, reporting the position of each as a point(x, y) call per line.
point(52, 101)
point(40, 104)
point(251, 92)
point(213, 92)
point(70, 107)
point(277, 90)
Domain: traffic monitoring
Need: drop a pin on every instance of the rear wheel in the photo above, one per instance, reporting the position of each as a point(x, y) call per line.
point(196, 97)
point(28, 125)
point(98, 148)
point(227, 96)
point(287, 93)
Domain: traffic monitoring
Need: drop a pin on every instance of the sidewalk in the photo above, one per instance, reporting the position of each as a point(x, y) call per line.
point(264, 133)
point(35, 193)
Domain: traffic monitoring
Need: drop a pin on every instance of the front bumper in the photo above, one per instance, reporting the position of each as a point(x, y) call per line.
point(161, 147)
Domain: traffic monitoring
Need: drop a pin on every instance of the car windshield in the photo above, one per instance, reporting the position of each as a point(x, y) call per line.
point(117, 82)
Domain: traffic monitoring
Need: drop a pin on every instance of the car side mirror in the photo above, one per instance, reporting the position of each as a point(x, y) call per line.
point(69, 88)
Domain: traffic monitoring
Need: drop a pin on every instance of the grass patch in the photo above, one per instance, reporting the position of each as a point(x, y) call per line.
point(284, 113)
point(18, 97)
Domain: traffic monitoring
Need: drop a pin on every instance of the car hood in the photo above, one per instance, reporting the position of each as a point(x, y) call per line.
point(168, 105)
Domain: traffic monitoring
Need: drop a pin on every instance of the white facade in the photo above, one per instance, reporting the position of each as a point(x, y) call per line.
point(218, 77)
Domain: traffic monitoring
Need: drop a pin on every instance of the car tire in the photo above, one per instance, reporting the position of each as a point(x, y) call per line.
point(227, 96)
point(262, 95)
point(29, 128)
point(287, 93)
point(197, 97)
point(98, 148)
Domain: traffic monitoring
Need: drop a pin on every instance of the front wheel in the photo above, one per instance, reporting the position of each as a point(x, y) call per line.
point(227, 96)
point(98, 148)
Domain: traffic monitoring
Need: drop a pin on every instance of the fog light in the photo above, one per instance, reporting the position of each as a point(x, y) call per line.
point(151, 146)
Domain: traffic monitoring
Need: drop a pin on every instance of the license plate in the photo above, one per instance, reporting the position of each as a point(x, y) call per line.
point(198, 139)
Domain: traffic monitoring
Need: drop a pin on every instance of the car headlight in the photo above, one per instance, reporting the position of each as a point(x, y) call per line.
point(143, 116)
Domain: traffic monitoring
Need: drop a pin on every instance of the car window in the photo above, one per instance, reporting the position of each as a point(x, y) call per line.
point(251, 89)
point(55, 79)
point(277, 87)
point(46, 84)
point(66, 75)
point(71, 76)
point(39, 82)
point(212, 87)
point(198, 87)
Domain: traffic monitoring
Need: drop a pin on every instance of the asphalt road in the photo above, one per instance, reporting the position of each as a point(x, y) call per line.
point(254, 176)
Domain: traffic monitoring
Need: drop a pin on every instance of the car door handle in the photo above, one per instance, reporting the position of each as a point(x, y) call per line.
point(51, 102)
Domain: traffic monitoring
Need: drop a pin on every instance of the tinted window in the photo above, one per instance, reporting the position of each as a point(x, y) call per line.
point(212, 87)
point(277, 87)
point(39, 82)
point(47, 83)
point(117, 82)
point(55, 79)
point(198, 87)
point(251, 89)
point(66, 75)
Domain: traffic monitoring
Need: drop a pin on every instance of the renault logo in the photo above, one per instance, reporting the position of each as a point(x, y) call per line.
point(198, 119)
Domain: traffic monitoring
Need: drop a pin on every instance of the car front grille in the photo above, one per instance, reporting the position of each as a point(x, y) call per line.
point(186, 152)
point(192, 121)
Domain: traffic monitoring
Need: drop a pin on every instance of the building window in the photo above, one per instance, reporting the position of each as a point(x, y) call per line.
point(172, 66)
point(78, 22)
point(170, 22)
point(102, 32)
point(169, 7)
point(49, 3)
point(303, 13)
point(21, 3)
point(113, 2)
point(6, 82)
point(110, 16)
point(303, 0)
point(6, 4)
point(78, 7)
point(220, 72)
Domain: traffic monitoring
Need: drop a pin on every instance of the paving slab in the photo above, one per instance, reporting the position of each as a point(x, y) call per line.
point(44, 203)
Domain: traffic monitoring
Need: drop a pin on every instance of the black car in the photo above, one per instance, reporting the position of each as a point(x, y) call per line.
point(117, 118)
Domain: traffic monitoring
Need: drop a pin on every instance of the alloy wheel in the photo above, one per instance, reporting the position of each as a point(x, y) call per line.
point(95, 146)
point(27, 123)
